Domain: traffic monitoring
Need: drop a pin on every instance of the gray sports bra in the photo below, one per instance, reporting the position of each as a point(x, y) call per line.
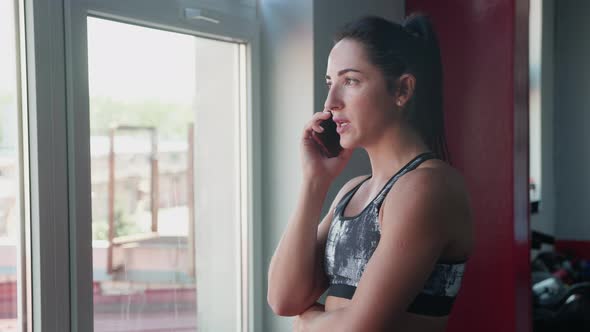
point(352, 240)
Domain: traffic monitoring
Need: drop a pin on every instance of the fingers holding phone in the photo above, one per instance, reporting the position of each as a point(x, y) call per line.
point(312, 127)
point(322, 153)
point(328, 139)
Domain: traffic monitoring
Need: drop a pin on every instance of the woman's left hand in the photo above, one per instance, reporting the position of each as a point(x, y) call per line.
point(301, 322)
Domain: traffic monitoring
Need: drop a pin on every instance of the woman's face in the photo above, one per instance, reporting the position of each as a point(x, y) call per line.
point(358, 97)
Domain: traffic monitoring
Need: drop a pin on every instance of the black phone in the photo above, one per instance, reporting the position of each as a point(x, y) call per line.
point(329, 139)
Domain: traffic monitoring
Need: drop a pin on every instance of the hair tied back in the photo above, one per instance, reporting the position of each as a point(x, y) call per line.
point(419, 26)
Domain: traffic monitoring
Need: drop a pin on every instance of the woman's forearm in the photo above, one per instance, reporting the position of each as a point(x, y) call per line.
point(291, 276)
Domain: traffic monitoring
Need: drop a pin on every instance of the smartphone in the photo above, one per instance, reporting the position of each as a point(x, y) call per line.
point(328, 140)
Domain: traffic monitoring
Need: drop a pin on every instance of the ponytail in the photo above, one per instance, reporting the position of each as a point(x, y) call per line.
point(427, 117)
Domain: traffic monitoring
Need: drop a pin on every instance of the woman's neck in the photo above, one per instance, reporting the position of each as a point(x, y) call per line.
point(394, 149)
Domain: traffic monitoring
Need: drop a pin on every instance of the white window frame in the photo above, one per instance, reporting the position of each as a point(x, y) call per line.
point(59, 143)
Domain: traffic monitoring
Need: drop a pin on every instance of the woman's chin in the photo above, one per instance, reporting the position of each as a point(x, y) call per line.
point(347, 144)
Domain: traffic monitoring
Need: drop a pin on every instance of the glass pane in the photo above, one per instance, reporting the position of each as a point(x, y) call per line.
point(165, 160)
point(10, 172)
point(535, 164)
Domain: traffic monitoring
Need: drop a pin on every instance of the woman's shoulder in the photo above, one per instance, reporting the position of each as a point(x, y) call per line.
point(436, 174)
point(447, 190)
point(436, 193)
point(436, 180)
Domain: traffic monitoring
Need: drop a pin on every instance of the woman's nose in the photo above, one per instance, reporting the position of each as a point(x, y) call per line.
point(333, 100)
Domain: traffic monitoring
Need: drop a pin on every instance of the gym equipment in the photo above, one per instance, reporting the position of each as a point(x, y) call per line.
point(560, 290)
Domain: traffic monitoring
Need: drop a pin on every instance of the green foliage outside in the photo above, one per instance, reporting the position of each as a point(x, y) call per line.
point(124, 225)
point(171, 120)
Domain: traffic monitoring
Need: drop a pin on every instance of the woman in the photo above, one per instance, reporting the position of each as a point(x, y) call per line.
point(392, 250)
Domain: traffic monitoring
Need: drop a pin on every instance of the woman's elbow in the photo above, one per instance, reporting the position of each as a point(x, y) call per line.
point(284, 305)
point(282, 308)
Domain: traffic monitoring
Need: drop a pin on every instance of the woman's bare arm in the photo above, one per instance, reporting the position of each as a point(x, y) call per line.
point(296, 278)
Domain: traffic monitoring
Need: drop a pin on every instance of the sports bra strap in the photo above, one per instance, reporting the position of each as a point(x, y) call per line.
point(412, 165)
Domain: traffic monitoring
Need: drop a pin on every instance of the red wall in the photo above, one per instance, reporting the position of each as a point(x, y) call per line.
point(484, 46)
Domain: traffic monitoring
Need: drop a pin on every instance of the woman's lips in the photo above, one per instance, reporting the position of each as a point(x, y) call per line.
point(341, 124)
point(342, 127)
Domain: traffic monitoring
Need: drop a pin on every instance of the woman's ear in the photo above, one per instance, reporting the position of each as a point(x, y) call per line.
point(406, 85)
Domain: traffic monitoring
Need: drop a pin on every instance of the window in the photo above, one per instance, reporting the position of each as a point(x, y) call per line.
point(535, 137)
point(167, 213)
point(12, 244)
point(167, 113)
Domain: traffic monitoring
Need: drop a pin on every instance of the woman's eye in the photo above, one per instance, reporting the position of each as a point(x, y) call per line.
point(351, 81)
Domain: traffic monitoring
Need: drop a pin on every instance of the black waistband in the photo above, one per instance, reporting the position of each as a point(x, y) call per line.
point(341, 290)
point(423, 304)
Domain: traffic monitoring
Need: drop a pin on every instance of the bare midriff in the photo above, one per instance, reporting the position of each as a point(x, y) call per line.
point(408, 322)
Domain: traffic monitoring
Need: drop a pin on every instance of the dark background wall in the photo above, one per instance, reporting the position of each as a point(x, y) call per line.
point(572, 119)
